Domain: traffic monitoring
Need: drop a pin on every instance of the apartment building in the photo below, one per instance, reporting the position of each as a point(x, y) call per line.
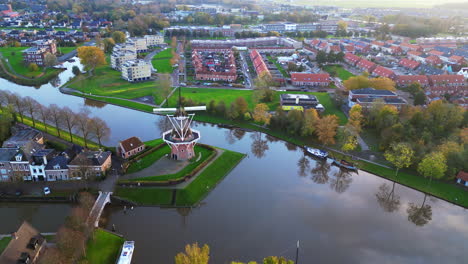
point(154, 40)
point(136, 70)
point(139, 43)
point(119, 57)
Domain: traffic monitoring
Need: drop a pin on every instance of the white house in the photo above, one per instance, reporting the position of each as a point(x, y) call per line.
point(136, 70)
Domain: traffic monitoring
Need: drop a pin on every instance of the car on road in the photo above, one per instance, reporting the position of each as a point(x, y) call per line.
point(46, 190)
point(18, 192)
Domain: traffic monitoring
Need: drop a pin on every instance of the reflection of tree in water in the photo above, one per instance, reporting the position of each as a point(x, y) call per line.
point(419, 215)
point(387, 199)
point(238, 133)
point(94, 103)
point(186, 211)
point(341, 182)
point(320, 172)
point(290, 146)
point(55, 82)
point(272, 138)
point(259, 146)
point(163, 124)
point(304, 165)
point(229, 135)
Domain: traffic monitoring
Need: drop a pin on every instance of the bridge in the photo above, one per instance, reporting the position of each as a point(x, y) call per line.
point(98, 207)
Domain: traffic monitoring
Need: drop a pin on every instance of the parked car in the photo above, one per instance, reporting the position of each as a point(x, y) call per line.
point(18, 192)
point(46, 190)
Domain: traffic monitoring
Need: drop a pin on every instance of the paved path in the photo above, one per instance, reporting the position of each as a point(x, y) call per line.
point(163, 166)
point(362, 143)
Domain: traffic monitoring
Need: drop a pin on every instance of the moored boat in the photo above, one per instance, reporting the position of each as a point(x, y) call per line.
point(344, 164)
point(322, 154)
point(126, 253)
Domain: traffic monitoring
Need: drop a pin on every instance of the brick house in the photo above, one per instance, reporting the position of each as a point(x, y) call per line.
point(433, 60)
point(447, 80)
point(409, 64)
point(90, 163)
point(34, 55)
point(310, 79)
point(366, 65)
point(129, 147)
point(351, 59)
point(383, 72)
point(367, 96)
point(406, 80)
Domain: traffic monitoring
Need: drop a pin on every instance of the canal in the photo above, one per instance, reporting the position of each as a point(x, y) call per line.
point(276, 196)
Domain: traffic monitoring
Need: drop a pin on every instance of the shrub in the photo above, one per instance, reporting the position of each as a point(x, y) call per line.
point(33, 67)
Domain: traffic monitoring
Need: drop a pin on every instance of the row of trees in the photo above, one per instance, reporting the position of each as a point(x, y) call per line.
point(72, 237)
point(201, 255)
point(331, 57)
point(363, 81)
point(62, 119)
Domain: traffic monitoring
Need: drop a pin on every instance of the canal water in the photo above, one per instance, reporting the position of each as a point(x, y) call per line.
point(273, 198)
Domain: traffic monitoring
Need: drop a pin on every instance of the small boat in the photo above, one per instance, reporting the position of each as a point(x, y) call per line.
point(71, 60)
point(322, 154)
point(126, 253)
point(344, 164)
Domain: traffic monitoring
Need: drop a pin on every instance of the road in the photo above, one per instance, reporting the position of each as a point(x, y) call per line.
point(245, 70)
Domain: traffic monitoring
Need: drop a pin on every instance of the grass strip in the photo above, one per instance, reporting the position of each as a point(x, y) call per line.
point(145, 196)
point(103, 248)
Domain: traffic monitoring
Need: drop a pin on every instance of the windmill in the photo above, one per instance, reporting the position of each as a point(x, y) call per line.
point(181, 137)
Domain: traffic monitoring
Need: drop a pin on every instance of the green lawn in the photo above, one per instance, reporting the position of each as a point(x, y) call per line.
point(65, 50)
point(121, 102)
point(148, 160)
point(14, 55)
point(103, 248)
point(338, 71)
point(205, 95)
point(145, 196)
point(199, 150)
point(154, 142)
point(208, 179)
point(4, 243)
point(162, 61)
point(108, 82)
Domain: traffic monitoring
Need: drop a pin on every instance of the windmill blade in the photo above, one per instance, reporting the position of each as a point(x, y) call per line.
point(171, 110)
point(195, 108)
point(163, 110)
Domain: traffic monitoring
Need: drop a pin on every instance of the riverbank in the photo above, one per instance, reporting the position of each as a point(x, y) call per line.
point(444, 190)
point(205, 177)
point(104, 247)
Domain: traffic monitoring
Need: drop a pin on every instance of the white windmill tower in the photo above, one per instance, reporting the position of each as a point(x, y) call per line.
point(181, 137)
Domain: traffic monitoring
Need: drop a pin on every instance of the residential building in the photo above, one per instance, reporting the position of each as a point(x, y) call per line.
point(154, 40)
point(120, 56)
point(366, 65)
point(7, 155)
point(129, 147)
point(34, 55)
point(49, 45)
point(38, 164)
point(23, 137)
point(57, 168)
point(310, 79)
point(214, 65)
point(139, 43)
point(352, 59)
point(447, 80)
point(90, 163)
point(383, 72)
point(26, 246)
point(249, 43)
point(406, 80)
point(409, 64)
point(462, 178)
point(136, 70)
point(259, 65)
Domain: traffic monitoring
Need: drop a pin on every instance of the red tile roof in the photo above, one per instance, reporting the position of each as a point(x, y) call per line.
point(352, 58)
point(384, 72)
point(335, 48)
point(410, 64)
point(446, 79)
point(409, 79)
point(131, 143)
point(415, 53)
point(433, 60)
point(310, 77)
point(462, 175)
point(456, 58)
point(436, 52)
point(365, 64)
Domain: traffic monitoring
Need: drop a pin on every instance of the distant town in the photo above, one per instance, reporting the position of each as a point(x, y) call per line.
point(353, 91)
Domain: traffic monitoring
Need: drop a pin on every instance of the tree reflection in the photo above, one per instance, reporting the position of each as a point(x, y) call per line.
point(229, 135)
point(94, 103)
point(304, 165)
point(238, 133)
point(271, 138)
point(341, 182)
point(259, 146)
point(387, 199)
point(419, 215)
point(55, 82)
point(163, 124)
point(320, 172)
point(290, 146)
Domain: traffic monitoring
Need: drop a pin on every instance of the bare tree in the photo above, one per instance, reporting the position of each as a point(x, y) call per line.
point(52, 256)
point(30, 106)
point(320, 172)
point(259, 145)
point(163, 87)
point(100, 129)
point(71, 244)
point(83, 125)
point(55, 116)
point(69, 120)
point(304, 165)
point(341, 182)
point(43, 112)
point(18, 105)
point(3, 98)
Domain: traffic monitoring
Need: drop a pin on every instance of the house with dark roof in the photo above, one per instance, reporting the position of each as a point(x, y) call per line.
point(429, 70)
point(90, 163)
point(367, 96)
point(129, 147)
point(22, 137)
point(57, 168)
point(26, 246)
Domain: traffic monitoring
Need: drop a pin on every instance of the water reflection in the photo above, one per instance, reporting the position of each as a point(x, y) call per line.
point(320, 172)
point(387, 199)
point(259, 145)
point(304, 164)
point(94, 103)
point(290, 146)
point(419, 215)
point(341, 181)
point(56, 82)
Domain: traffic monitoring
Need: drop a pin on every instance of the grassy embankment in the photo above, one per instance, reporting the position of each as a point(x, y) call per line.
point(103, 248)
point(14, 55)
point(191, 194)
point(53, 131)
point(162, 61)
point(338, 71)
